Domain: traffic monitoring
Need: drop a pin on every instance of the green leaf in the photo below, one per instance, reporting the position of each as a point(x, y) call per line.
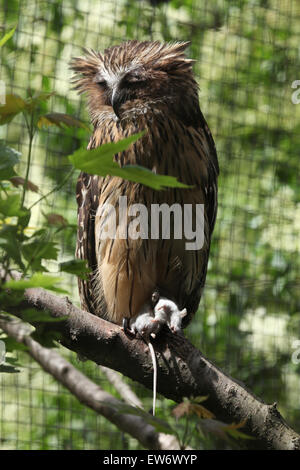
point(7, 36)
point(60, 119)
point(8, 369)
point(8, 300)
point(89, 160)
point(77, 267)
point(139, 174)
point(37, 280)
point(10, 206)
point(13, 361)
point(12, 345)
point(14, 105)
point(99, 161)
point(23, 219)
point(10, 243)
point(40, 249)
point(46, 338)
point(9, 157)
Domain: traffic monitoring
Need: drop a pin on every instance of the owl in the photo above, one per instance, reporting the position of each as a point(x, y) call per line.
point(132, 87)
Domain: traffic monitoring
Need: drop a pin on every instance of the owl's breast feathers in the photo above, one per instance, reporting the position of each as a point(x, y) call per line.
point(126, 271)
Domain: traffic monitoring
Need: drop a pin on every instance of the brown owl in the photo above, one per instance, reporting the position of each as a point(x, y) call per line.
point(133, 87)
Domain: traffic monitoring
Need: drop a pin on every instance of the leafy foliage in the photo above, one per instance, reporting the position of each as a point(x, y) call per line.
point(99, 161)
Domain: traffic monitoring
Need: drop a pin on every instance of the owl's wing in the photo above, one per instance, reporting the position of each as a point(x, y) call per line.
point(210, 191)
point(213, 172)
point(87, 195)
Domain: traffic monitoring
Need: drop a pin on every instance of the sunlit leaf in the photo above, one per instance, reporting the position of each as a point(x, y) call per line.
point(99, 161)
point(139, 174)
point(7, 36)
point(14, 105)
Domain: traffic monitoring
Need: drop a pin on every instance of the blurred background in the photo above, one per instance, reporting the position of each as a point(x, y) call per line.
point(247, 56)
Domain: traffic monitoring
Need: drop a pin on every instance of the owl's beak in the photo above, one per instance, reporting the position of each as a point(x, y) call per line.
point(116, 101)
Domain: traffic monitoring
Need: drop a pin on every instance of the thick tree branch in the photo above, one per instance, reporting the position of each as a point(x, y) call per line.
point(87, 391)
point(182, 370)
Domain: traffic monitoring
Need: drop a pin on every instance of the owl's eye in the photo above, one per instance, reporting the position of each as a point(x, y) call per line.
point(99, 80)
point(101, 83)
point(134, 78)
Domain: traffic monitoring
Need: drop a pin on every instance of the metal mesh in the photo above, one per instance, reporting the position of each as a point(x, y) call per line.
point(247, 57)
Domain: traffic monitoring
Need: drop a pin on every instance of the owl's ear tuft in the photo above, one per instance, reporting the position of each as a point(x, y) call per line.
point(169, 57)
point(85, 68)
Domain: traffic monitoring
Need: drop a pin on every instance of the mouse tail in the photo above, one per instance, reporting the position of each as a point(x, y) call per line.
point(154, 376)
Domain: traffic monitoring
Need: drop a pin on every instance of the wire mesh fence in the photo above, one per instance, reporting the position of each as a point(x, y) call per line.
point(247, 63)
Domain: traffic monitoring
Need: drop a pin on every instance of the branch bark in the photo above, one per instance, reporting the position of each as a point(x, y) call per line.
point(182, 370)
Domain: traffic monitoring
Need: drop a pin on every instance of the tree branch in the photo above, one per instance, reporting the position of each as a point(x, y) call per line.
point(167, 441)
point(86, 391)
point(122, 387)
point(182, 370)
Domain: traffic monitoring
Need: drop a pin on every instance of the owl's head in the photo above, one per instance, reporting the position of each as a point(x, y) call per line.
point(135, 74)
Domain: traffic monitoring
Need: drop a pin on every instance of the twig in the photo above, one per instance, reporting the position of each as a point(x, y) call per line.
point(53, 190)
point(122, 387)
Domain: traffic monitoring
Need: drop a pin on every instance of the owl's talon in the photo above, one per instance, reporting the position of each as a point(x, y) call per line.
point(125, 325)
